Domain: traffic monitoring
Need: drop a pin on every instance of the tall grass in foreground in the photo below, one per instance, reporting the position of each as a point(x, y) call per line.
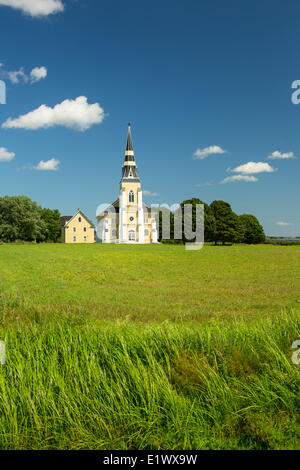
point(221, 385)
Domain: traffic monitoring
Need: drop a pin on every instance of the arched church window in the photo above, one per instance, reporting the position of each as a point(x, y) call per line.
point(131, 196)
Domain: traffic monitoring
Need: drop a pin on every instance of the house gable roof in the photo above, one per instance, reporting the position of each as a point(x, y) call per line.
point(64, 219)
point(72, 218)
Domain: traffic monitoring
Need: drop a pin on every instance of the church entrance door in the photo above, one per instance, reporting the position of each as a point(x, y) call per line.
point(131, 235)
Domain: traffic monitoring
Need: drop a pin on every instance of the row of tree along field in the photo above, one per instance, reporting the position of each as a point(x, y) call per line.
point(23, 219)
point(221, 224)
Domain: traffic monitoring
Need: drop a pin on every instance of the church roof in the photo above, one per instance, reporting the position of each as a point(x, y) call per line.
point(130, 174)
point(116, 205)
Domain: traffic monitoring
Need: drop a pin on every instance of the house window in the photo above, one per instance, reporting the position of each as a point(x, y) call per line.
point(84, 229)
point(131, 196)
point(74, 239)
point(79, 219)
point(131, 235)
point(146, 233)
point(84, 239)
point(74, 229)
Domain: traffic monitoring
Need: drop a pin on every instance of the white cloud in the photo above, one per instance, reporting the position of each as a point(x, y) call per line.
point(38, 73)
point(49, 165)
point(253, 167)
point(35, 7)
point(74, 114)
point(278, 155)
point(284, 224)
point(149, 193)
point(207, 183)
point(17, 75)
point(5, 155)
point(172, 208)
point(200, 154)
point(234, 178)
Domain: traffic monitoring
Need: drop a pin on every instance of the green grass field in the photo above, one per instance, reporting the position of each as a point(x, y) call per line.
point(148, 283)
point(149, 347)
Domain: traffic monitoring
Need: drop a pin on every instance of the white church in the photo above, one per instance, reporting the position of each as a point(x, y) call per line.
point(128, 219)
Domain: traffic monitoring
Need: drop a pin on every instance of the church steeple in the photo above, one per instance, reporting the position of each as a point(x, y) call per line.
point(129, 145)
point(129, 153)
point(129, 170)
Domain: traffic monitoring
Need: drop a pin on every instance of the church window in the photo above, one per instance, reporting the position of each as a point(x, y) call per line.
point(84, 239)
point(131, 196)
point(114, 233)
point(79, 219)
point(74, 229)
point(74, 239)
point(84, 229)
point(146, 233)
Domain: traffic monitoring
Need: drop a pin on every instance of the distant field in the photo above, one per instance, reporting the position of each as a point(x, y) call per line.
point(148, 283)
point(149, 347)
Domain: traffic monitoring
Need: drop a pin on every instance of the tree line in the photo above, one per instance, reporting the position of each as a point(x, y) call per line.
point(221, 224)
point(23, 219)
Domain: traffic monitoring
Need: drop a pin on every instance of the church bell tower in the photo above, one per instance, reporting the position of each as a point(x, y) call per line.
point(131, 214)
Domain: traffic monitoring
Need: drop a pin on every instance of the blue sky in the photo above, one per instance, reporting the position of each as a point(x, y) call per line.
point(205, 84)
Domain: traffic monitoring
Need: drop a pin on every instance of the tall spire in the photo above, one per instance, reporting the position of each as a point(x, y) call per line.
point(129, 170)
point(129, 145)
point(129, 153)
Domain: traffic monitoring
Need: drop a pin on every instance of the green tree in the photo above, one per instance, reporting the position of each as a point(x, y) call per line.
point(52, 221)
point(165, 213)
point(253, 231)
point(20, 219)
point(228, 225)
point(209, 218)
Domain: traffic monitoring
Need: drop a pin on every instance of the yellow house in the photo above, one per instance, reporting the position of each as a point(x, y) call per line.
point(77, 229)
point(128, 219)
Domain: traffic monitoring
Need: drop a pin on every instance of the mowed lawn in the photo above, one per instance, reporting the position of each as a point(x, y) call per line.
point(149, 283)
